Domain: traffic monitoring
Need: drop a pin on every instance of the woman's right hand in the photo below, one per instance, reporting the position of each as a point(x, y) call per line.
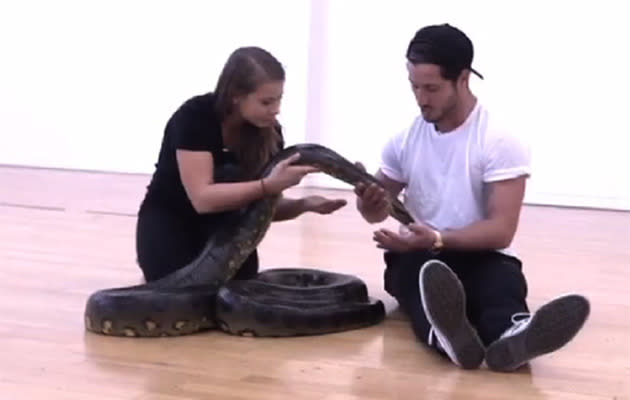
point(285, 175)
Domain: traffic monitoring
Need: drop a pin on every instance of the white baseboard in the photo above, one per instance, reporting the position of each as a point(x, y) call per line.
point(577, 200)
point(532, 197)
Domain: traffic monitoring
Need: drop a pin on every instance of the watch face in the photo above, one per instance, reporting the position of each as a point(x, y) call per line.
point(438, 237)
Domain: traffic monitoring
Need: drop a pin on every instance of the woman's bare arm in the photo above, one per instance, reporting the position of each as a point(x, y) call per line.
point(196, 171)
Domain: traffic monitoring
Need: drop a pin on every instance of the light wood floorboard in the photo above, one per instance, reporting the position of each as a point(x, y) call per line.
point(65, 234)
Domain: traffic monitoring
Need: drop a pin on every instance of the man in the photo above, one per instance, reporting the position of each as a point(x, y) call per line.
point(454, 271)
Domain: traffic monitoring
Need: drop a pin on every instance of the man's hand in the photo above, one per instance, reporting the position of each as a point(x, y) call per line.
point(418, 237)
point(322, 205)
point(372, 200)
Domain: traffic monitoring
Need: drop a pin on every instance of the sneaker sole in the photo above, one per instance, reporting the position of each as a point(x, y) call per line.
point(551, 327)
point(449, 313)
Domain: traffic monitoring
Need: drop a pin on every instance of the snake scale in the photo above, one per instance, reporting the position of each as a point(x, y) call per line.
point(277, 302)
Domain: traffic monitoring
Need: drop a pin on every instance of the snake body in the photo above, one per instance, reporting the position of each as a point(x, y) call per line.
point(283, 302)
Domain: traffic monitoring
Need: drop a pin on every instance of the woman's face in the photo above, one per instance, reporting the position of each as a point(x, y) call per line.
point(262, 106)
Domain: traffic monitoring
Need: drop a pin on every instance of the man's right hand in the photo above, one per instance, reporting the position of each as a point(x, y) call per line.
point(372, 200)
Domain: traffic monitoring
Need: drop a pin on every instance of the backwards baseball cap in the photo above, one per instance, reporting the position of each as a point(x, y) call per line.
point(442, 45)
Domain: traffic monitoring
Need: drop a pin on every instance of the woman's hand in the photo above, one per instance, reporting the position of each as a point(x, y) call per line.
point(322, 205)
point(285, 175)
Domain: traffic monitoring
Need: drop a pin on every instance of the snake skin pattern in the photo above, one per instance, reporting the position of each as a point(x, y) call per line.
point(278, 302)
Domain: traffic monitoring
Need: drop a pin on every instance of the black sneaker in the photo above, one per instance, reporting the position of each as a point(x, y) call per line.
point(444, 303)
point(547, 330)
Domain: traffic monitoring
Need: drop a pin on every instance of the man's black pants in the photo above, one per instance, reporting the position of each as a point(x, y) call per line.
point(494, 284)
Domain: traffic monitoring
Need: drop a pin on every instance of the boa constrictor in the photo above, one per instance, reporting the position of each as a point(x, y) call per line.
point(278, 302)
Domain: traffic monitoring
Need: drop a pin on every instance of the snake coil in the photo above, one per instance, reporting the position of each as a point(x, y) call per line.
point(277, 302)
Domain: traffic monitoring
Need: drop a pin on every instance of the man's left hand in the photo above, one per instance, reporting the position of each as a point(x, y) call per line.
point(418, 237)
point(322, 205)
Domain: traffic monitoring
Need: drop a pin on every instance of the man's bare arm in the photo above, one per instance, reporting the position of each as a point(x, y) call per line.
point(497, 230)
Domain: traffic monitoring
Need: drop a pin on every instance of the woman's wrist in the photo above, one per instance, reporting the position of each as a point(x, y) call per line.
point(267, 187)
point(263, 187)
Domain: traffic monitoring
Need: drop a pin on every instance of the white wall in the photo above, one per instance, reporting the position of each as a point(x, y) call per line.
point(90, 85)
point(556, 71)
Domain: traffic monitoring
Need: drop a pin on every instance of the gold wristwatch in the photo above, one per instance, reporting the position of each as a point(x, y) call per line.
point(438, 244)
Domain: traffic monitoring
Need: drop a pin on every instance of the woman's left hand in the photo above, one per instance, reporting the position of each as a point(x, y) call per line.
point(322, 205)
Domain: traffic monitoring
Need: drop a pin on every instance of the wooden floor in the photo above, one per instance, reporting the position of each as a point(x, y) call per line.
point(65, 234)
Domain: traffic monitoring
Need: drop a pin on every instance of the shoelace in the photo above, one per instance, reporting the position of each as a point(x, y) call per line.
point(523, 315)
point(519, 321)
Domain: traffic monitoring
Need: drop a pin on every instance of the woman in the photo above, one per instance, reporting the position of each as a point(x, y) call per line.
point(213, 148)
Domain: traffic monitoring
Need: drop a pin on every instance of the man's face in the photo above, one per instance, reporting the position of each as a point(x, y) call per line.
point(436, 96)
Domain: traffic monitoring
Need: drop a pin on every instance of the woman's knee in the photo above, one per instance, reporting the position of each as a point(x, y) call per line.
point(163, 244)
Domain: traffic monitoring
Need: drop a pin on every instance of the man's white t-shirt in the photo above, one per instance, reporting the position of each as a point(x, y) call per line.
point(444, 173)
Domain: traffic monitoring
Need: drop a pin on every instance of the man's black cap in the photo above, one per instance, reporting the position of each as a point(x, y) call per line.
point(442, 45)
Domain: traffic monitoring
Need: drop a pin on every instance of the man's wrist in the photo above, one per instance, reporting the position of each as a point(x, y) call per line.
point(438, 241)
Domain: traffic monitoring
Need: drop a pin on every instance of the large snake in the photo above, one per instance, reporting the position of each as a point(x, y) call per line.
point(283, 302)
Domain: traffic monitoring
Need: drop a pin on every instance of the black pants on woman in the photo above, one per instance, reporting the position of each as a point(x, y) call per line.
point(493, 282)
point(166, 241)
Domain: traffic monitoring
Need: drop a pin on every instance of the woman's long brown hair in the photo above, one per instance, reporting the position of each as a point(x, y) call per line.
point(245, 70)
